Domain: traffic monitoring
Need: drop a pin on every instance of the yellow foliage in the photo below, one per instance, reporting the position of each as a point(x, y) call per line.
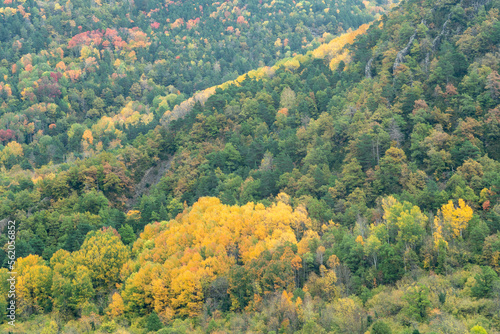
point(283, 198)
point(188, 295)
point(334, 50)
point(116, 308)
point(201, 244)
point(85, 52)
point(387, 203)
point(9, 11)
point(303, 245)
point(87, 136)
point(104, 255)
point(291, 64)
point(334, 63)
point(105, 126)
point(134, 214)
point(61, 66)
point(13, 148)
point(131, 56)
point(333, 261)
point(132, 114)
point(34, 281)
point(438, 232)
point(454, 219)
point(23, 264)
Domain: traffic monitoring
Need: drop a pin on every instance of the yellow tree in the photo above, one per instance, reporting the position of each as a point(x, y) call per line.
point(454, 219)
point(438, 233)
point(372, 247)
point(187, 294)
point(12, 149)
point(348, 315)
point(71, 283)
point(104, 254)
point(116, 308)
point(146, 289)
point(176, 259)
point(87, 141)
point(34, 283)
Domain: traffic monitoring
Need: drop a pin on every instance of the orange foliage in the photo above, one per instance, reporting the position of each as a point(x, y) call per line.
point(241, 20)
point(283, 111)
point(100, 38)
point(13, 148)
point(334, 50)
point(200, 244)
point(177, 23)
point(61, 66)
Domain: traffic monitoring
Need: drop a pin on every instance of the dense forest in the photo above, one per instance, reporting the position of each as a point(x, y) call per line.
point(78, 97)
point(262, 167)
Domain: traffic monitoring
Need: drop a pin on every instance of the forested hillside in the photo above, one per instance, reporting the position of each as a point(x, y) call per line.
point(78, 96)
point(351, 188)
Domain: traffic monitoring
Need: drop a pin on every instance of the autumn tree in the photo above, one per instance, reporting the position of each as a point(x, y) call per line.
point(389, 172)
point(452, 220)
point(485, 282)
point(418, 301)
point(103, 254)
point(34, 281)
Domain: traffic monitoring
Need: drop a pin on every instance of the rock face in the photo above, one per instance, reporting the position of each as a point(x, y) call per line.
point(368, 68)
point(400, 57)
point(3, 223)
point(152, 176)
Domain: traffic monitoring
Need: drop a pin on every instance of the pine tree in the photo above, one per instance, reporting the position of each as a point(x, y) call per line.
point(154, 323)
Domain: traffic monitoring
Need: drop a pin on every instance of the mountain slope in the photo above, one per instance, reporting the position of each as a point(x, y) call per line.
point(351, 189)
point(78, 96)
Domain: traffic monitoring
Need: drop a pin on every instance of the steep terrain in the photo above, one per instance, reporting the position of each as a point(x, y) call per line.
point(353, 188)
point(85, 102)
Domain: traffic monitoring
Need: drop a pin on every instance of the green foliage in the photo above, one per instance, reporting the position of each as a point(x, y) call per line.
point(153, 323)
point(3, 305)
point(418, 301)
point(50, 327)
point(127, 234)
point(381, 327)
point(478, 330)
point(93, 95)
point(311, 327)
point(485, 282)
point(108, 327)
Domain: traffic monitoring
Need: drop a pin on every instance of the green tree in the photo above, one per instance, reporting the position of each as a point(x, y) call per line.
point(104, 254)
point(389, 172)
point(381, 327)
point(92, 202)
point(484, 282)
point(418, 301)
point(154, 323)
point(478, 330)
point(127, 234)
point(71, 284)
point(352, 175)
point(311, 327)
